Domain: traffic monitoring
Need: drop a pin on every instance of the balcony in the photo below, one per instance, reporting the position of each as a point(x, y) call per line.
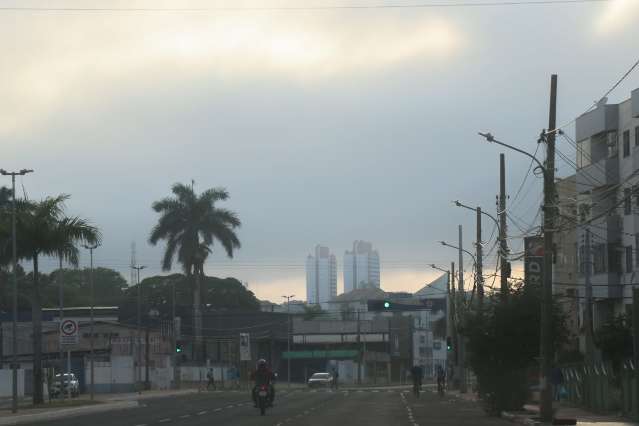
point(602, 119)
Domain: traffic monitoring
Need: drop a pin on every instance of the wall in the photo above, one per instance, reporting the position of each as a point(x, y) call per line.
point(6, 383)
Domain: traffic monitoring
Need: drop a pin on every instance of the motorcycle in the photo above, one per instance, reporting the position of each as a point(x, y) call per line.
point(263, 398)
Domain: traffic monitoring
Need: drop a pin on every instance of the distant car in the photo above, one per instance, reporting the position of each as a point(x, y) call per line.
point(320, 380)
point(65, 383)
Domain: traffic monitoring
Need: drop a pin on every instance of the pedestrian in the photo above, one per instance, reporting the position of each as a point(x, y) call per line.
point(335, 378)
point(211, 379)
point(557, 380)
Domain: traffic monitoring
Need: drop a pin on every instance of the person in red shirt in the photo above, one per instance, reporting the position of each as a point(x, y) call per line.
point(263, 376)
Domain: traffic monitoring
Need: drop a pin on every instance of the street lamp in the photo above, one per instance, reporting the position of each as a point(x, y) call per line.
point(460, 204)
point(288, 340)
point(547, 352)
point(91, 295)
point(444, 243)
point(14, 337)
point(138, 268)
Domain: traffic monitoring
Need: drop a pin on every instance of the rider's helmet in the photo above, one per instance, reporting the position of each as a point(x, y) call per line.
point(261, 363)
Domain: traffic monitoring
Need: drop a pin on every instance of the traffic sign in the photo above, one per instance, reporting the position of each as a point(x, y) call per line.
point(69, 332)
point(245, 347)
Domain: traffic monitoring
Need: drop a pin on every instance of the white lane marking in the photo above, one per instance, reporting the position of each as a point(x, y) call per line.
point(230, 406)
point(141, 424)
point(201, 413)
point(375, 391)
point(217, 409)
point(185, 416)
point(165, 420)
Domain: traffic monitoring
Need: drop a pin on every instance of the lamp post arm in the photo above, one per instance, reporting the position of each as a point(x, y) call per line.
point(491, 138)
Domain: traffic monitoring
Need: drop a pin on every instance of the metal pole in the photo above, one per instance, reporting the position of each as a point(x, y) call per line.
point(359, 348)
point(547, 350)
point(138, 268)
point(453, 325)
point(173, 340)
point(14, 262)
point(69, 372)
point(503, 244)
point(588, 301)
point(635, 335)
point(462, 295)
point(91, 337)
point(60, 319)
point(14, 337)
point(479, 271)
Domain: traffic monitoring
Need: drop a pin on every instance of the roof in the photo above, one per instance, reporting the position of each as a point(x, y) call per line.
point(360, 294)
point(438, 288)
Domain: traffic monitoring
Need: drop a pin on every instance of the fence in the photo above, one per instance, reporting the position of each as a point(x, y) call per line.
point(601, 389)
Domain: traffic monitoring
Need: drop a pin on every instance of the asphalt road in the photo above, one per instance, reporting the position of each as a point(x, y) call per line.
point(299, 407)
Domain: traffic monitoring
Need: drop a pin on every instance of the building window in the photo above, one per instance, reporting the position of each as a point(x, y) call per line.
point(613, 144)
point(599, 258)
point(626, 143)
point(637, 136)
point(627, 201)
point(628, 258)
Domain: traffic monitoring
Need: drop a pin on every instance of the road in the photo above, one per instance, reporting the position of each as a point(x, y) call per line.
point(377, 407)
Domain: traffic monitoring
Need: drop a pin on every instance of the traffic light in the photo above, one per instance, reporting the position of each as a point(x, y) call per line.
point(387, 304)
point(178, 348)
point(449, 344)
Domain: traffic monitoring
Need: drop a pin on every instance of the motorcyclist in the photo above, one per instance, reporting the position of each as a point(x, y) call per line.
point(263, 376)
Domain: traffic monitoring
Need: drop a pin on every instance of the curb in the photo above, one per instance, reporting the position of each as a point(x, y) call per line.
point(521, 419)
point(67, 412)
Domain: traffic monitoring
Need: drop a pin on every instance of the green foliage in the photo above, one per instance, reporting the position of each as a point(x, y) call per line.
point(503, 344)
point(614, 339)
point(217, 293)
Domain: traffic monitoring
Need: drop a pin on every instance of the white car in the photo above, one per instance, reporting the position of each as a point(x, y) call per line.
point(320, 379)
point(64, 383)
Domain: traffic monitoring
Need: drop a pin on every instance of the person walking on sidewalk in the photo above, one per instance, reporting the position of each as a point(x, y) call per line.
point(557, 380)
point(211, 380)
point(335, 383)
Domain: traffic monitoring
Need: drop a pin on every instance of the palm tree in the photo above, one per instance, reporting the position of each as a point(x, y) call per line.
point(44, 230)
point(190, 224)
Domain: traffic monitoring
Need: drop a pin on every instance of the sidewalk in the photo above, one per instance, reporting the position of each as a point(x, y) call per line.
point(531, 416)
point(81, 405)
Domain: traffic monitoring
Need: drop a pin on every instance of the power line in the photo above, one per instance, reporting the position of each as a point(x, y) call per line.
point(464, 4)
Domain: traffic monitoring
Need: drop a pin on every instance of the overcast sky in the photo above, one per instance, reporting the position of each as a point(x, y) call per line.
point(325, 126)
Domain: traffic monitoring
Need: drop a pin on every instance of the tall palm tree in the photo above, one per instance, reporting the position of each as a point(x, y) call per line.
point(190, 224)
point(44, 230)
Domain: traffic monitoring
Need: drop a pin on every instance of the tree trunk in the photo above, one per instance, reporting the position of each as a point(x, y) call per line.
point(197, 316)
point(36, 318)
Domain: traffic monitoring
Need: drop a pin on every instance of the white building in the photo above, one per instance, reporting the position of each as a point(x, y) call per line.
point(321, 277)
point(361, 267)
point(607, 185)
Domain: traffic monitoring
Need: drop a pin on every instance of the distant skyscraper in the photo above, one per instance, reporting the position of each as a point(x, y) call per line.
point(321, 276)
point(361, 266)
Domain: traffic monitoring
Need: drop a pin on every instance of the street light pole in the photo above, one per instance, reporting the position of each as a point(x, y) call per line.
point(92, 296)
point(14, 261)
point(288, 340)
point(138, 268)
point(547, 350)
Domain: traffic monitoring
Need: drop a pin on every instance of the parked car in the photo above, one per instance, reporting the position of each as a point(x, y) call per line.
point(64, 383)
point(320, 380)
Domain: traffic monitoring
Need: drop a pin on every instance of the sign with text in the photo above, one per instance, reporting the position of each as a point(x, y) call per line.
point(69, 332)
point(534, 260)
point(245, 347)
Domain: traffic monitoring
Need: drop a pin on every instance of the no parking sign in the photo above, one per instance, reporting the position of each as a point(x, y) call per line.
point(69, 332)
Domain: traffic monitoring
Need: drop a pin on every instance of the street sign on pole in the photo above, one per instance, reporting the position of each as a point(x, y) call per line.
point(245, 347)
point(69, 334)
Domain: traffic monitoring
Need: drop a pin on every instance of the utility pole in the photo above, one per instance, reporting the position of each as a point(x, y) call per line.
point(453, 324)
point(547, 351)
point(588, 300)
point(462, 296)
point(480, 277)
point(92, 295)
point(359, 348)
point(503, 245)
point(60, 319)
point(635, 340)
point(173, 340)
point(138, 375)
point(14, 262)
point(288, 340)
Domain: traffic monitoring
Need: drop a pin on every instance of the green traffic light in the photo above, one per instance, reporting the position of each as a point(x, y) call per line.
point(386, 305)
